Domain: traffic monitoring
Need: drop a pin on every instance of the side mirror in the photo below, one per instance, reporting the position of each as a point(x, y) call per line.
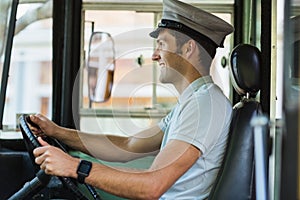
point(100, 66)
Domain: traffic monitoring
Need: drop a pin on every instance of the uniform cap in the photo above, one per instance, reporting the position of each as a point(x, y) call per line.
point(194, 22)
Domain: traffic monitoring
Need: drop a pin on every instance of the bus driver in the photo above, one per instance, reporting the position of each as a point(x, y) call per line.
point(189, 143)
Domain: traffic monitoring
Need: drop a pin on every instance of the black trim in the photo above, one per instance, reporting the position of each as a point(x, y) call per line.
point(238, 37)
point(66, 62)
point(208, 44)
point(58, 47)
point(266, 46)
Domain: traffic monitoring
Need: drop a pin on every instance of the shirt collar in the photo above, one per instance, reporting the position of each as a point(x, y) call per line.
point(194, 86)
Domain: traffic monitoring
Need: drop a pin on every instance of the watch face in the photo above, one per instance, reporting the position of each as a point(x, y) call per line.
point(83, 170)
point(85, 167)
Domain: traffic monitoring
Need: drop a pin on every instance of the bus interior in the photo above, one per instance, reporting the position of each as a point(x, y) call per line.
point(86, 64)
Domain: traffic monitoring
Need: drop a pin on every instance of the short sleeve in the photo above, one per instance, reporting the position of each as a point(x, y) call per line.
point(163, 124)
point(201, 121)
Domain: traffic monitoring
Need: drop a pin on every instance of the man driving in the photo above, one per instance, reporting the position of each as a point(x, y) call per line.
point(189, 143)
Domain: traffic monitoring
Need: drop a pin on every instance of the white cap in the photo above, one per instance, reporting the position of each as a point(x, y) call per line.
point(194, 22)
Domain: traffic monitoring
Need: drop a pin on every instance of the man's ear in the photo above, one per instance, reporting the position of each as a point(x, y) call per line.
point(190, 47)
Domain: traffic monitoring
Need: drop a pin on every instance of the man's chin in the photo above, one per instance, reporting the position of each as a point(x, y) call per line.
point(162, 80)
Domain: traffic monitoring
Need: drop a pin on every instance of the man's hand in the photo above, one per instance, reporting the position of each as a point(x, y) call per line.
point(46, 126)
point(54, 161)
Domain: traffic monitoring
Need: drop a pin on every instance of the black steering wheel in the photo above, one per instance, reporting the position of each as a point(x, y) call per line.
point(31, 143)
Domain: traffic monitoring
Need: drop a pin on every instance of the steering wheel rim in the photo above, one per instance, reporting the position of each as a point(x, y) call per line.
point(31, 143)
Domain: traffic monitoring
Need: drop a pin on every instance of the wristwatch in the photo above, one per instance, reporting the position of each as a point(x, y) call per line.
point(83, 170)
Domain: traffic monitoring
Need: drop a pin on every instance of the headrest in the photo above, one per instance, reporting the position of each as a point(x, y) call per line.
point(245, 64)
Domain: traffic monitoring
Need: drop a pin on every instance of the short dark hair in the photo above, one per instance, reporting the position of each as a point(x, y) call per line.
point(181, 39)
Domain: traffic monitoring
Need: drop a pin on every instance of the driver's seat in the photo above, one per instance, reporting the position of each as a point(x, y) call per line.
point(236, 178)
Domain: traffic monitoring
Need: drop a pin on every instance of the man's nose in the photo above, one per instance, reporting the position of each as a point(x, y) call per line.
point(155, 55)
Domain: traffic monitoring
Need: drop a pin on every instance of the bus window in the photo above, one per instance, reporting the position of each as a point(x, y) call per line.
point(30, 74)
point(131, 42)
point(289, 159)
point(295, 60)
point(137, 99)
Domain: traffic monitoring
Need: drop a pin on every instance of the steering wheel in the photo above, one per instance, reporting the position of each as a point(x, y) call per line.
point(31, 143)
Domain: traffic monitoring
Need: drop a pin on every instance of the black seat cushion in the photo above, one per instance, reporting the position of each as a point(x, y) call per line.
point(236, 177)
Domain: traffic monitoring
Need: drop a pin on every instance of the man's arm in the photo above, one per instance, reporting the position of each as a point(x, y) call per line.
point(171, 163)
point(121, 149)
point(105, 147)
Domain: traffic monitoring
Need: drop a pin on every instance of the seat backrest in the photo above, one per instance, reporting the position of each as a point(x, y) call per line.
point(236, 176)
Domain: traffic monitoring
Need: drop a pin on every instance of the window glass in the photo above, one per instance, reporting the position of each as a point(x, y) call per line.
point(138, 100)
point(136, 85)
point(5, 10)
point(219, 68)
point(30, 74)
point(293, 44)
point(290, 59)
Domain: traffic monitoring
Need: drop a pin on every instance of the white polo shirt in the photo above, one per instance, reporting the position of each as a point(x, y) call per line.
point(202, 118)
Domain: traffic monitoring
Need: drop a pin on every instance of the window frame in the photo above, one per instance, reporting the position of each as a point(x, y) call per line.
point(145, 6)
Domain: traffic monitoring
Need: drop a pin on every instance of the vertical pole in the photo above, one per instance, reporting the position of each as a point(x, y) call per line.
point(266, 19)
point(259, 125)
point(66, 61)
point(58, 47)
point(7, 55)
point(71, 64)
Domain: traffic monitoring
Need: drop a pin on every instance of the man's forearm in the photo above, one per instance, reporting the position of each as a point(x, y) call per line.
point(71, 138)
point(104, 147)
point(132, 185)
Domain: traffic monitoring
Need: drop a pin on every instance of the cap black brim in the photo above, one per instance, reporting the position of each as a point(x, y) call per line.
point(155, 33)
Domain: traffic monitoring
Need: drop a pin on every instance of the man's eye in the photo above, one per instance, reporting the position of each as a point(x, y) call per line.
point(162, 45)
